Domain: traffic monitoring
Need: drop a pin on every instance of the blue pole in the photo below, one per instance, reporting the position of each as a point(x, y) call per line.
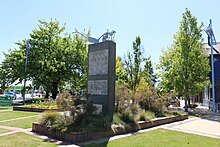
point(25, 66)
point(213, 75)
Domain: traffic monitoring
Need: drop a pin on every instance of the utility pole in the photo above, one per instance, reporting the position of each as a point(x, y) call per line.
point(211, 37)
point(25, 67)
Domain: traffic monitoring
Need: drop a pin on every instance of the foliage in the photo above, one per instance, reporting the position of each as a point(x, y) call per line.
point(65, 102)
point(189, 66)
point(121, 77)
point(122, 97)
point(49, 118)
point(148, 72)
point(165, 84)
point(5, 79)
point(142, 116)
point(54, 58)
point(133, 65)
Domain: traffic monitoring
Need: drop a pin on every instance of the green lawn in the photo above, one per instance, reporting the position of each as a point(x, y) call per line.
point(21, 123)
point(161, 138)
point(5, 108)
point(24, 140)
point(15, 114)
point(3, 130)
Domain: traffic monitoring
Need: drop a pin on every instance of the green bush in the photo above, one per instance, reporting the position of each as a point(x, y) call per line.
point(158, 108)
point(142, 116)
point(117, 119)
point(128, 117)
point(49, 118)
point(135, 108)
point(65, 102)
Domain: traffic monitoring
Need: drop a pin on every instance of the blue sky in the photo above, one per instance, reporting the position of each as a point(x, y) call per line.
point(154, 21)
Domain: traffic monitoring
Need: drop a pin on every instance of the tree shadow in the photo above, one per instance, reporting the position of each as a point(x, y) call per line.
point(102, 142)
point(205, 114)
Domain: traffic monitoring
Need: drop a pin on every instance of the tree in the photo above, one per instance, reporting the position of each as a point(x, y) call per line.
point(189, 67)
point(148, 71)
point(121, 77)
point(165, 84)
point(133, 65)
point(55, 57)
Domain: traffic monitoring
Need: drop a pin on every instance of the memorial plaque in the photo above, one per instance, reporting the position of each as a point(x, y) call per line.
point(98, 87)
point(98, 62)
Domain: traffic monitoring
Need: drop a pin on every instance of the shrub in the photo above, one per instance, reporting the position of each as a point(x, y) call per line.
point(142, 116)
point(65, 102)
point(49, 118)
point(158, 108)
point(128, 117)
point(135, 108)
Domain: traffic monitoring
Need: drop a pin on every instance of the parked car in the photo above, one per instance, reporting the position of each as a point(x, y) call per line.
point(11, 94)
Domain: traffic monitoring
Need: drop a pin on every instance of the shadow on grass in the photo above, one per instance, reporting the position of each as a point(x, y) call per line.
point(103, 142)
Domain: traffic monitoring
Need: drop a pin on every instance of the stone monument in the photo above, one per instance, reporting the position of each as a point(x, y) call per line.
point(101, 76)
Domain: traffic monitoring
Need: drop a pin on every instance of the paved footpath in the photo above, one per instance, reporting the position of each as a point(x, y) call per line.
point(200, 126)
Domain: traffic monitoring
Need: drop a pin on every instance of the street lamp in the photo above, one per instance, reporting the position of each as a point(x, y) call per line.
point(211, 38)
point(28, 46)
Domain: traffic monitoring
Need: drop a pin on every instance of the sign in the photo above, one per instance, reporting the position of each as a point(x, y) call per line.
point(5, 101)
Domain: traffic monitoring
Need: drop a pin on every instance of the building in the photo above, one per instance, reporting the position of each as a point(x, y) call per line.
point(206, 96)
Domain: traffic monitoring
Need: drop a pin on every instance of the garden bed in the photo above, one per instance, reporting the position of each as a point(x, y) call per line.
point(84, 136)
point(33, 109)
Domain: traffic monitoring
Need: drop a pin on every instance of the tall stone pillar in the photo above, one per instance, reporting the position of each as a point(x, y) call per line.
point(101, 76)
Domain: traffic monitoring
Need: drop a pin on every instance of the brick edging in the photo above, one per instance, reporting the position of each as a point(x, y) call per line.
point(85, 136)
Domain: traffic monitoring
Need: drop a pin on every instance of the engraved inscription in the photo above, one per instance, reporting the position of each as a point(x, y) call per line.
point(98, 87)
point(98, 62)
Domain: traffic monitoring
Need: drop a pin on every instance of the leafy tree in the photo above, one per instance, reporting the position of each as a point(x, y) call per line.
point(55, 57)
point(4, 80)
point(133, 65)
point(165, 84)
point(148, 71)
point(121, 77)
point(189, 65)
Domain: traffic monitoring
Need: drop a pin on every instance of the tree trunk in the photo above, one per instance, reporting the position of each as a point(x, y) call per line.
point(189, 104)
point(186, 106)
point(47, 94)
point(54, 90)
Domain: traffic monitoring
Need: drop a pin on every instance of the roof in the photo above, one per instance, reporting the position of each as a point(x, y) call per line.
point(208, 50)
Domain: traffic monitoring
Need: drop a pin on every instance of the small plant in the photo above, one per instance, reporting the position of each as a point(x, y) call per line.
point(65, 102)
point(49, 118)
point(142, 116)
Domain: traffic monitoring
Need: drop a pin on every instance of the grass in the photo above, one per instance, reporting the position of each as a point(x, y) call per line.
point(15, 114)
point(21, 139)
point(5, 108)
point(161, 138)
point(22, 123)
point(3, 130)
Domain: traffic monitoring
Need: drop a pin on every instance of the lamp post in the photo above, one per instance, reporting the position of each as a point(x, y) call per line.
point(25, 66)
point(211, 37)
